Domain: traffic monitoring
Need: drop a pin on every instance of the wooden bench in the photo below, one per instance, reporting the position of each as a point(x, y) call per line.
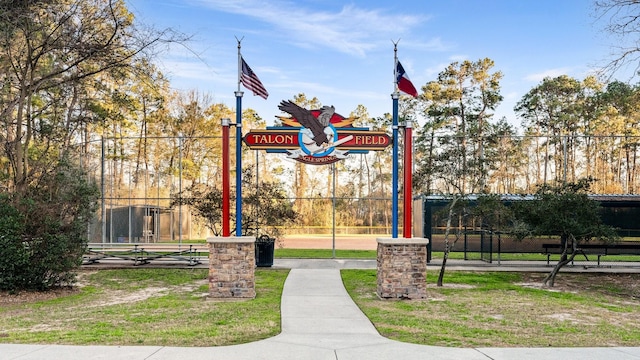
point(141, 254)
point(594, 249)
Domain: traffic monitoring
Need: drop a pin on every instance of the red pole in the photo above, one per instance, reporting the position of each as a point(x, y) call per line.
point(226, 188)
point(408, 197)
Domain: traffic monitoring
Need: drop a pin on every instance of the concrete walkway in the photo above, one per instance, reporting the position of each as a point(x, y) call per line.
point(319, 321)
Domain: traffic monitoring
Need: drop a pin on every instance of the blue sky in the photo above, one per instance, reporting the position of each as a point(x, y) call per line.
point(342, 52)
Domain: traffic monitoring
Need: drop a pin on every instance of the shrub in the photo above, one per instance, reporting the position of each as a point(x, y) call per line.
point(44, 230)
point(14, 259)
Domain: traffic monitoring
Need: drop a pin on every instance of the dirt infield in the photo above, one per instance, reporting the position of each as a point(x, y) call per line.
point(342, 242)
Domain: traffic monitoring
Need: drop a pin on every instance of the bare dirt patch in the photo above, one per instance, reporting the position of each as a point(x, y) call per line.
point(22, 297)
point(624, 285)
point(127, 297)
point(450, 286)
point(113, 297)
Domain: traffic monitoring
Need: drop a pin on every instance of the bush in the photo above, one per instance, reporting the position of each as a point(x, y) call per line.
point(266, 206)
point(14, 260)
point(43, 230)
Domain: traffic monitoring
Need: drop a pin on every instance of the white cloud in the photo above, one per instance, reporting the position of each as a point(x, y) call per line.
point(511, 96)
point(434, 70)
point(458, 58)
point(550, 73)
point(435, 44)
point(351, 30)
point(190, 69)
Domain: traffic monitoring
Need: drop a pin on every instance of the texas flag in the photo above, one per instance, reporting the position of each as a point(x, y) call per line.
point(404, 84)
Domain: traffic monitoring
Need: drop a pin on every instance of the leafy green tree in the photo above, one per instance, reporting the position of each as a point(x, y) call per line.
point(566, 212)
point(556, 111)
point(492, 213)
point(550, 109)
point(489, 214)
point(459, 106)
point(453, 145)
point(509, 158)
point(266, 206)
point(50, 53)
point(205, 203)
point(613, 139)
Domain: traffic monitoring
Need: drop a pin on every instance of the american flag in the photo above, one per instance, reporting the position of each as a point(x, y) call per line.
point(250, 80)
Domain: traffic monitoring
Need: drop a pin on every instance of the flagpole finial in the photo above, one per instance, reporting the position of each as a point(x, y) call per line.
point(239, 60)
point(239, 40)
point(395, 64)
point(395, 45)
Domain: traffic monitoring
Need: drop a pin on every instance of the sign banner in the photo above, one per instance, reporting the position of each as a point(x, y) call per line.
point(315, 137)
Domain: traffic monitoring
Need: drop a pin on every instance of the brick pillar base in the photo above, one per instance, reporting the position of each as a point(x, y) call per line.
point(402, 268)
point(232, 262)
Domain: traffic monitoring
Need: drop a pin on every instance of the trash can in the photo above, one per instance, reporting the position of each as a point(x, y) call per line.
point(264, 251)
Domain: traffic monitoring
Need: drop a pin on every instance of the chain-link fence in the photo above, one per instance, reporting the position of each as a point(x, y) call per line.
point(141, 178)
point(142, 181)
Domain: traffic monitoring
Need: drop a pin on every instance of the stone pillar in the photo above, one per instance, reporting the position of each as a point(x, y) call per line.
point(402, 268)
point(232, 262)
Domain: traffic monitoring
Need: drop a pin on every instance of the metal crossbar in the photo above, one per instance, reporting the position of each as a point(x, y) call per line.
point(595, 249)
point(140, 253)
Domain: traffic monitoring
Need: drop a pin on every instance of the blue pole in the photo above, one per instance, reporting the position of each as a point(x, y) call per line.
point(238, 163)
point(394, 176)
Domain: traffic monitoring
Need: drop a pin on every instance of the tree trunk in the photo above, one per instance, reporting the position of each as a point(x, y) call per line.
point(447, 247)
point(546, 160)
point(565, 258)
point(444, 263)
point(632, 180)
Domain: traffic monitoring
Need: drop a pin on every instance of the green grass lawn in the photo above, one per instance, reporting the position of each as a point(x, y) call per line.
point(146, 307)
point(168, 307)
point(507, 310)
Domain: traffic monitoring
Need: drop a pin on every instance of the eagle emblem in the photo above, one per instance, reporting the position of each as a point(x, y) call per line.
point(317, 135)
